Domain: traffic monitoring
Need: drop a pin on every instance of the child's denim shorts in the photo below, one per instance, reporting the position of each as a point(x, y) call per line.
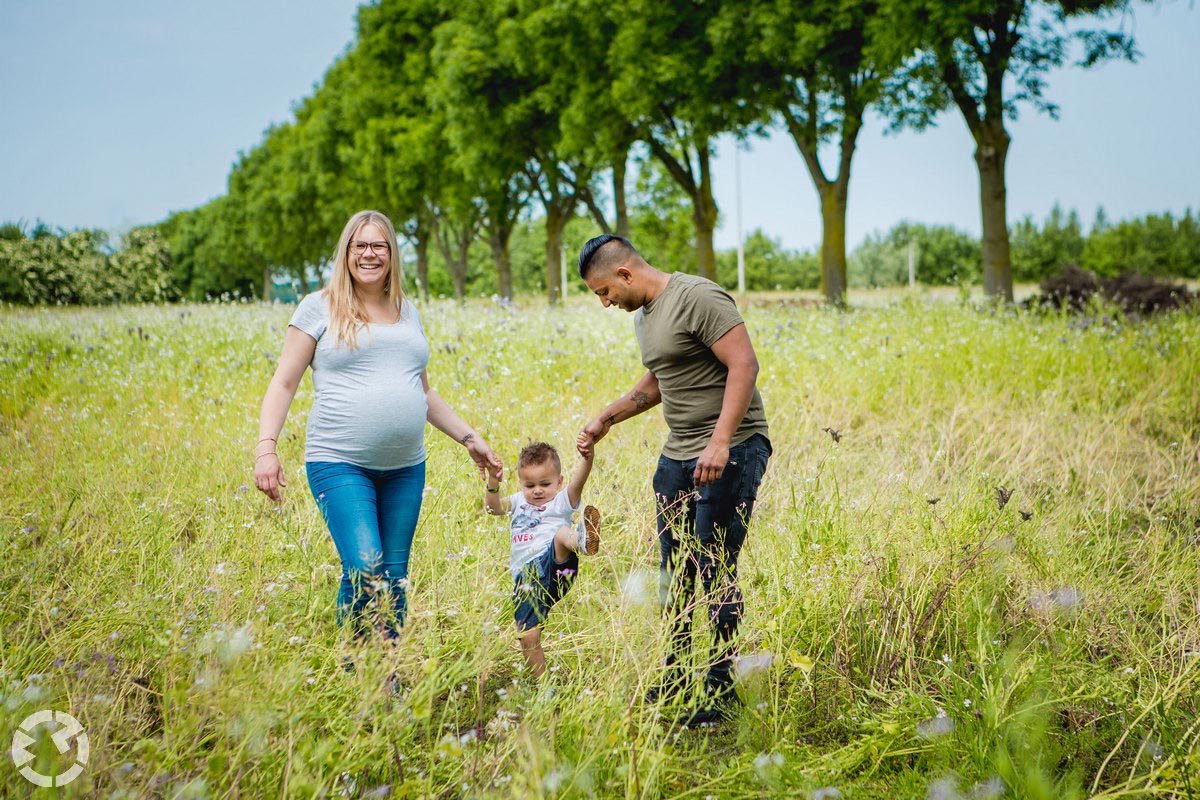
point(541, 584)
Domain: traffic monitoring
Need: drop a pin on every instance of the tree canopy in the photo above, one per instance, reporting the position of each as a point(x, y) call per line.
point(463, 120)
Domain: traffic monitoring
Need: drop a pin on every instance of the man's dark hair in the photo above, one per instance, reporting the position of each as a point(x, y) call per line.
point(538, 453)
point(607, 250)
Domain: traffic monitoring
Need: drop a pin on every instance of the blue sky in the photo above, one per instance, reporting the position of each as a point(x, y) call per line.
point(119, 113)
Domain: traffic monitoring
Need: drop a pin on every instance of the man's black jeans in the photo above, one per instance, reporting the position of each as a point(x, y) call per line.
point(701, 532)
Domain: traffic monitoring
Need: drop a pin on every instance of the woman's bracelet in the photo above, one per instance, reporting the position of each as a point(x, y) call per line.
point(260, 455)
point(268, 439)
point(494, 491)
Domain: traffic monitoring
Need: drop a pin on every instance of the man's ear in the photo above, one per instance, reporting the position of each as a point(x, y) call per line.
point(625, 274)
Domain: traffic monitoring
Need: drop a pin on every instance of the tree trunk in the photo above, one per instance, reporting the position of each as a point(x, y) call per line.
point(833, 241)
point(991, 153)
point(498, 239)
point(704, 207)
point(454, 245)
point(556, 223)
point(832, 194)
point(458, 268)
point(421, 245)
point(619, 202)
point(704, 217)
point(267, 285)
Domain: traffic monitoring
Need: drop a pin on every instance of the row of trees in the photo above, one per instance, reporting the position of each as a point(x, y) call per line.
point(40, 266)
point(461, 118)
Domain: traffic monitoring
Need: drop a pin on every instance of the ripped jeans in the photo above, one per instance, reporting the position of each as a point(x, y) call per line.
point(700, 533)
point(372, 516)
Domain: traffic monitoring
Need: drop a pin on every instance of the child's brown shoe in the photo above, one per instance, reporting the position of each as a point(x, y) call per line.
point(589, 537)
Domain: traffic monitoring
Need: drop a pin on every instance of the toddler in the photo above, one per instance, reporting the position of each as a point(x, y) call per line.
point(545, 543)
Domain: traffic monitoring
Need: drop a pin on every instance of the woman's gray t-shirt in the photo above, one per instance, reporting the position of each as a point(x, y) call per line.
point(370, 406)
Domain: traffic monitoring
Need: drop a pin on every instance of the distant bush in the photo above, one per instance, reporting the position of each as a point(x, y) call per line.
point(769, 266)
point(941, 254)
point(78, 268)
point(1073, 288)
point(1037, 253)
point(1157, 244)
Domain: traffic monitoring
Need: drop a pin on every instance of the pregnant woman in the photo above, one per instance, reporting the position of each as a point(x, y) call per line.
point(365, 444)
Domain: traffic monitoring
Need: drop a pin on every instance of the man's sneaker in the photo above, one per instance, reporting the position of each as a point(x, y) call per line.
point(720, 704)
point(704, 716)
point(589, 536)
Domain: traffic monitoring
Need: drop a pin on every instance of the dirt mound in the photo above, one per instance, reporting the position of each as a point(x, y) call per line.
point(1133, 292)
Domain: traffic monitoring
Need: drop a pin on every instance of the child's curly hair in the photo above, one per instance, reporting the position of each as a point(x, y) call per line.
point(538, 453)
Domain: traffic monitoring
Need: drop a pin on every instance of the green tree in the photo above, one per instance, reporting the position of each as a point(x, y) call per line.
point(593, 126)
point(990, 57)
point(660, 216)
point(484, 100)
point(814, 70)
point(401, 152)
point(678, 91)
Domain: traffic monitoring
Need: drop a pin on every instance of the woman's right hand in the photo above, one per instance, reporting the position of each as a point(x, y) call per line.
point(268, 476)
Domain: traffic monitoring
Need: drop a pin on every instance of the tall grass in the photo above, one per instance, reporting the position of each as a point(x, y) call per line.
point(972, 572)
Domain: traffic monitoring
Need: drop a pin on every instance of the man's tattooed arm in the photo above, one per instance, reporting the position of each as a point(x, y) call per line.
point(641, 400)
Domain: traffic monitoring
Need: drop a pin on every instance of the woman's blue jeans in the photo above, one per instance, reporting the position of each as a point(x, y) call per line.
point(372, 516)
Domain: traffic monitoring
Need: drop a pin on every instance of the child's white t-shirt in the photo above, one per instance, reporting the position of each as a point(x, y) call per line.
point(533, 527)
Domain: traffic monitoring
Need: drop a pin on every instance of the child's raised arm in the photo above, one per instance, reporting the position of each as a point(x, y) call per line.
point(579, 478)
point(492, 502)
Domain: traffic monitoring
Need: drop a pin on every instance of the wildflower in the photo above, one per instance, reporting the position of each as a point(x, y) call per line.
point(745, 667)
point(636, 587)
point(553, 780)
point(944, 788)
point(766, 764)
point(988, 789)
point(937, 727)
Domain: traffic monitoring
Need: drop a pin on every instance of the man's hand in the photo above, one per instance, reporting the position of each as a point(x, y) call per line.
point(711, 464)
point(593, 432)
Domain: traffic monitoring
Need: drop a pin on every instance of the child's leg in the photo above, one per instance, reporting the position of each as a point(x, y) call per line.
point(571, 540)
point(531, 648)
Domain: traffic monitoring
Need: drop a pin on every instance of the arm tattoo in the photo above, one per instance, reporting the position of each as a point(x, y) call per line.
point(610, 420)
point(466, 438)
point(641, 400)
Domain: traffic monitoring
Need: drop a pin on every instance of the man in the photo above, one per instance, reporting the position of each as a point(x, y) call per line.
point(702, 368)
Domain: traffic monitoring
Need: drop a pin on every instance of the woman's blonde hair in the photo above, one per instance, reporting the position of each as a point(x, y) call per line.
point(346, 311)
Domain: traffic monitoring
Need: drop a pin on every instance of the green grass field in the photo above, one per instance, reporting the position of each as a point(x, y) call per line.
point(908, 634)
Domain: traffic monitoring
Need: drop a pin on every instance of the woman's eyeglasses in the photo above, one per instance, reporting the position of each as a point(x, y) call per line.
point(378, 248)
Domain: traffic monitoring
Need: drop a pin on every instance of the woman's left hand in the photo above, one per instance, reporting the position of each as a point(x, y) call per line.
point(481, 453)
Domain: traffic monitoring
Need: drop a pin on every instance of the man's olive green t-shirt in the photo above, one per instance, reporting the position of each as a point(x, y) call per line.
point(675, 332)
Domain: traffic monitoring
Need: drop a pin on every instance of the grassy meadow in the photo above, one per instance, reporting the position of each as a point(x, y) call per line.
point(973, 571)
